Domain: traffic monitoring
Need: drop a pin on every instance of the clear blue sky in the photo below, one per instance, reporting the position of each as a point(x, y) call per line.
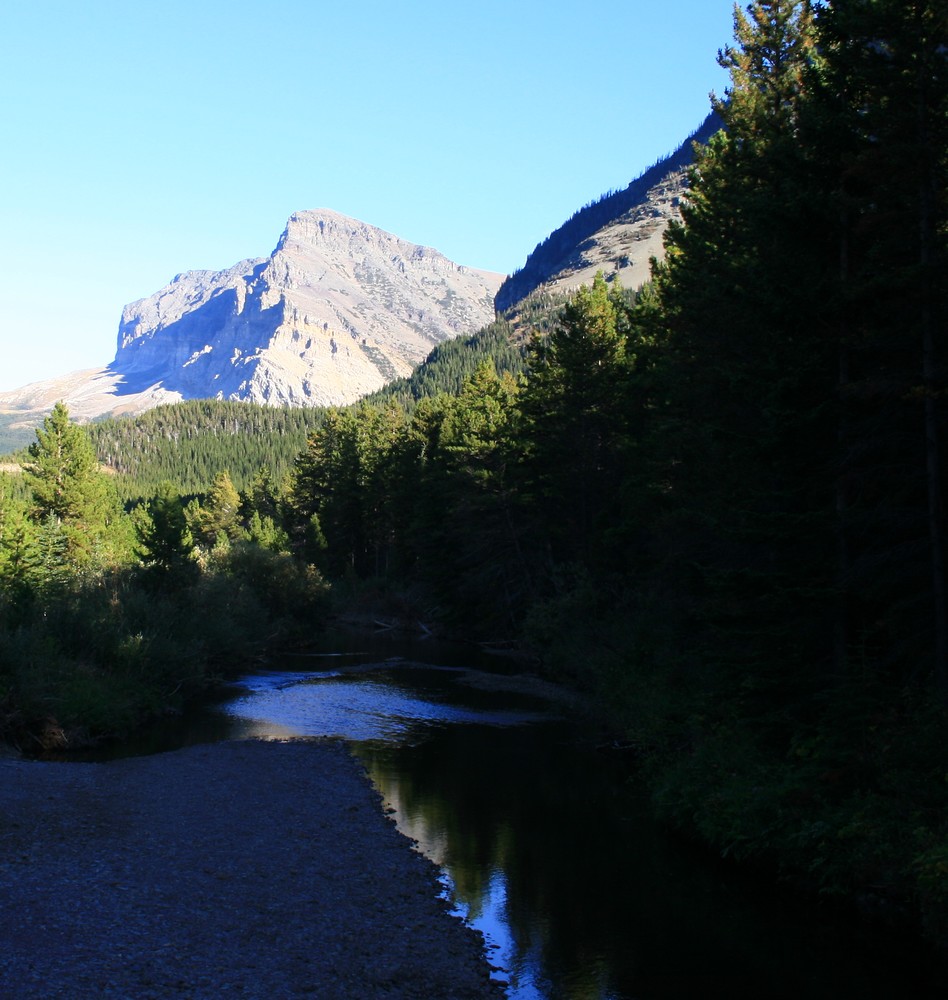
point(144, 139)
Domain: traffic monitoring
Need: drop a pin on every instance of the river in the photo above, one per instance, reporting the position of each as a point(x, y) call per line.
point(546, 845)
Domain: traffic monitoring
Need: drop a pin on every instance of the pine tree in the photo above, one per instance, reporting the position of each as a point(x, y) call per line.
point(882, 121)
point(317, 475)
point(165, 540)
point(572, 406)
point(476, 422)
point(479, 558)
point(72, 495)
point(340, 479)
point(748, 376)
point(775, 48)
point(19, 546)
point(63, 466)
point(217, 519)
point(262, 495)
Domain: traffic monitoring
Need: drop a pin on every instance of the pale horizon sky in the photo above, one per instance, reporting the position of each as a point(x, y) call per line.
point(143, 140)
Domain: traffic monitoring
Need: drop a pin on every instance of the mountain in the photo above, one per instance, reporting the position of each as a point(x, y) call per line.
point(618, 234)
point(336, 311)
point(340, 308)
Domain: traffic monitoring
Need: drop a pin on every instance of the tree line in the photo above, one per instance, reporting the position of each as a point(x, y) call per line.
point(719, 504)
point(188, 443)
point(112, 613)
point(716, 504)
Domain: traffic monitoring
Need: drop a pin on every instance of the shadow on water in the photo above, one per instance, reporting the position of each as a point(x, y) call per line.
point(546, 845)
point(553, 855)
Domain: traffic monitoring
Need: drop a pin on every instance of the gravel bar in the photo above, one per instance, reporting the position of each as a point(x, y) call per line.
point(241, 869)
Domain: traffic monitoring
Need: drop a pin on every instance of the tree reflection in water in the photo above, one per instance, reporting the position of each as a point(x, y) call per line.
point(549, 850)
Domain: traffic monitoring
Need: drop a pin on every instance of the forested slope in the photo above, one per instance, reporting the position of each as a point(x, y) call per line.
point(721, 509)
point(12, 438)
point(716, 506)
point(188, 443)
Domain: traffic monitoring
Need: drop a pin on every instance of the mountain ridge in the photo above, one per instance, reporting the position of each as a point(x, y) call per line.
point(341, 308)
point(618, 233)
point(338, 309)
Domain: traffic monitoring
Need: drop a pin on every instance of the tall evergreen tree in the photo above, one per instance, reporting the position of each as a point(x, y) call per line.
point(217, 519)
point(344, 479)
point(573, 418)
point(768, 65)
point(480, 558)
point(165, 539)
point(19, 546)
point(72, 496)
point(748, 423)
point(882, 121)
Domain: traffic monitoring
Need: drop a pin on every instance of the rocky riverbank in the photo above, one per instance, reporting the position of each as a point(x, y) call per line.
point(245, 869)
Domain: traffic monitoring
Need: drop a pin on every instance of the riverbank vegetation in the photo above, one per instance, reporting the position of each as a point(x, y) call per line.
point(112, 616)
point(716, 504)
point(719, 504)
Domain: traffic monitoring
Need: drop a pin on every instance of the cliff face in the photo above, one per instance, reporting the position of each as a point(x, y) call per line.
point(336, 311)
point(340, 307)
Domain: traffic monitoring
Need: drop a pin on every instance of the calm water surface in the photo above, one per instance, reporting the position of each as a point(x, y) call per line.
point(546, 847)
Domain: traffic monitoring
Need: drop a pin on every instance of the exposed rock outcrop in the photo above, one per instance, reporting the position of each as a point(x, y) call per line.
point(618, 234)
point(336, 311)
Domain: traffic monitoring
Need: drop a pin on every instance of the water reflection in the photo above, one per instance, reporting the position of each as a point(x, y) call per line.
point(395, 704)
point(582, 897)
point(549, 851)
point(530, 851)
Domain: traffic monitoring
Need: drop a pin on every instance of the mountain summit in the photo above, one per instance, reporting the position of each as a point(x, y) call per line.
point(336, 311)
point(340, 307)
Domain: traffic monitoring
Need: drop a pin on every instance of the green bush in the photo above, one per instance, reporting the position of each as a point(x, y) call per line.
point(97, 657)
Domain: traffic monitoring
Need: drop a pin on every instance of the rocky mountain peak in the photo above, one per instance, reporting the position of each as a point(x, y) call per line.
point(336, 311)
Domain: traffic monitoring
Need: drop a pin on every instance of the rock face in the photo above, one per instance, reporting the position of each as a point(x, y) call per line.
point(336, 311)
point(619, 234)
point(626, 246)
point(339, 309)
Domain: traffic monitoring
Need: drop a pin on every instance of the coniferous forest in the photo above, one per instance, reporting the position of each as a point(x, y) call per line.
point(715, 504)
